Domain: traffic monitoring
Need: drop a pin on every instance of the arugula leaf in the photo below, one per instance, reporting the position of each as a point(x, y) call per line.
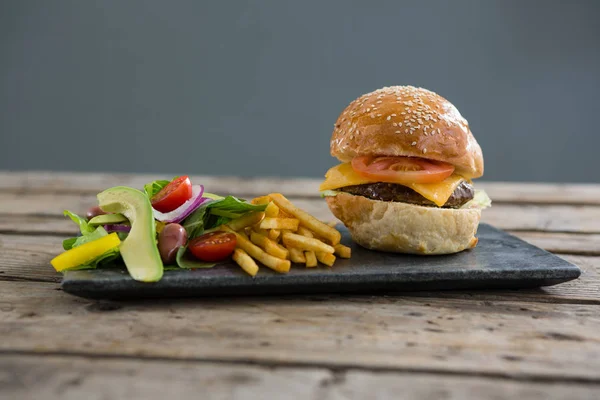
point(68, 243)
point(194, 223)
point(81, 222)
point(154, 187)
point(217, 212)
point(232, 204)
point(185, 261)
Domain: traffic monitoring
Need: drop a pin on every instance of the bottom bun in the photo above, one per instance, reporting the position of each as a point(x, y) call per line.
point(406, 228)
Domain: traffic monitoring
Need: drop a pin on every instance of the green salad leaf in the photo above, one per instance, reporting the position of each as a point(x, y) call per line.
point(217, 212)
point(154, 187)
point(81, 222)
point(329, 193)
point(480, 200)
point(89, 233)
point(185, 261)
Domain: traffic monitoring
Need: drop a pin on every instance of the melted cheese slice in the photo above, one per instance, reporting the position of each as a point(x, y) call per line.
point(343, 175)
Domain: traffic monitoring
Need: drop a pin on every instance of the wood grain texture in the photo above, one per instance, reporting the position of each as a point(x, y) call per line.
point(55, 377)
point(554, 218)
point(92, 183)
point(496, 338)
point(26, 257)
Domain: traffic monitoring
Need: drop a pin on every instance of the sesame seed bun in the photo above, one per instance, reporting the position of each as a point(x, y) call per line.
point(407, 121)
point(406, 228)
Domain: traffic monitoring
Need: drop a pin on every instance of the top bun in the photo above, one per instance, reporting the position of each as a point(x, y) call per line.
point(407, 121)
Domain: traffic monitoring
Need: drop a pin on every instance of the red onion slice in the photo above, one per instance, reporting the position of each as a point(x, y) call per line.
point(117, 228)
point(180, 213)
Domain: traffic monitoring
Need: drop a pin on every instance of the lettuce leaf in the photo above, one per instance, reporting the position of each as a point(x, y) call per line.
point(186, 262)
point(217, 212)
point(154, 187)
point(480, 200)
point(81, 222)
point(329, 193)
point(88, 232)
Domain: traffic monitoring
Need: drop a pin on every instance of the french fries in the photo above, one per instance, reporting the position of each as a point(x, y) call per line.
point(297, 256)
point(247, 220)
point(261, 200)
point(304, 243)
point(283, 234)
point(274, 234)
point(342, 251)
point(326, 258)
point(280, 223)
point(245, 261)
point(322, 230)
point(311, 259)
point(272, 210)
point(269, 246)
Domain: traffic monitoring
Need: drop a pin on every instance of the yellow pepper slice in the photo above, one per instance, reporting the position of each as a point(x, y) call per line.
point(86, 252)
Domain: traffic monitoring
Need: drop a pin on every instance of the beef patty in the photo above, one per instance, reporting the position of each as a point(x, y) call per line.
point(393, 192)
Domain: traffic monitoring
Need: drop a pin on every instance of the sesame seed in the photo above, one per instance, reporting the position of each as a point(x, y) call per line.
point(389, 117)
point(424, 150)
point(413, 144)
point(393, 115)
point(395, 124)
point(379, 115)
point(397, 131)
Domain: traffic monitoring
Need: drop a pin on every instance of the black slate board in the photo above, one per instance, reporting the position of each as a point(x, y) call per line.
point(500, 260)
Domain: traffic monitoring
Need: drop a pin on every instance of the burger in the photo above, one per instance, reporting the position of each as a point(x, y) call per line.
point(404, 184)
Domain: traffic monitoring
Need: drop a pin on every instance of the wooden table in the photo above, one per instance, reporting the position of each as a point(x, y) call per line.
point(542, 343)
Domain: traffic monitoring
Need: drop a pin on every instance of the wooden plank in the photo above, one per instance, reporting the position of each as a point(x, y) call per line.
point(562, 218)
point(56, 377)
point(563, 243)
point(92, 183)
point(467, 336)
point(24, 257)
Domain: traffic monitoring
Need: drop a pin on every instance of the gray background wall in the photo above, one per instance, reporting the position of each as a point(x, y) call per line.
point(253, 88)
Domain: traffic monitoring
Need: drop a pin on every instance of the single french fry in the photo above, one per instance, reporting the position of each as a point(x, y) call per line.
point(256, 229)
point(296, 255)
point(261, 200)
point(272, 210)
point(311, 259)
point(269, 246)
point(305, 243)
point(246, 220)
point(274, 234)
point(304, 232)
point(240, 233)
point(322, 230)
point(245, 261)
point(259, 254)
point(342, 251)
point(325, 258)
point(280, 223)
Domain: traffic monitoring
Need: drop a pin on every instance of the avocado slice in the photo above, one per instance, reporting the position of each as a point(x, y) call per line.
point(139, 249)
point(108, 219)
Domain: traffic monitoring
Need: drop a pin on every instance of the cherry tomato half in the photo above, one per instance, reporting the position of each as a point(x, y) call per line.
point(177, 192)
point(213, 246)
point(403, 170)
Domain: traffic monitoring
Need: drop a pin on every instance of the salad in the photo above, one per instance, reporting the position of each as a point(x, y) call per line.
point(176, 225)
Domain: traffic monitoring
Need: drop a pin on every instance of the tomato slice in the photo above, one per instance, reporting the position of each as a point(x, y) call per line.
point(213, 246)
point(403, 170)
point(177, 192)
